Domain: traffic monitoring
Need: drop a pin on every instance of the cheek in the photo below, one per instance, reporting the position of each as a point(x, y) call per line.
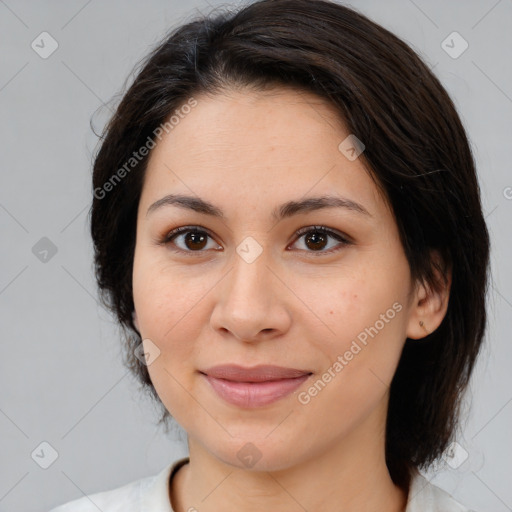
point(360, 357)
point(343, 306)
point(172, 311)
point(361, 317)
point(164, 297)
point(168, 314)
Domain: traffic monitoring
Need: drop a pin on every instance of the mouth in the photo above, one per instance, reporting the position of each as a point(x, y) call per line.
point(254, 387)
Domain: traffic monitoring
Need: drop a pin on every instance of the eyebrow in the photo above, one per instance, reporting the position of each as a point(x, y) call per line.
point(286, 210)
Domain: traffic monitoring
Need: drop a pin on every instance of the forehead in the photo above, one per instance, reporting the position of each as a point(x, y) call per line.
point(245, 145)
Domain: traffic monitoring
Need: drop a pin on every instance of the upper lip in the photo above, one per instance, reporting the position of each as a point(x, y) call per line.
point(259, 373)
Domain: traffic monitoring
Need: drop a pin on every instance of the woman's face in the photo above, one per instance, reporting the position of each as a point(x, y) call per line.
point(248, 290)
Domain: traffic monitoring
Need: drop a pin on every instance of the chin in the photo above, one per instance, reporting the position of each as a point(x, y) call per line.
point(254, 453)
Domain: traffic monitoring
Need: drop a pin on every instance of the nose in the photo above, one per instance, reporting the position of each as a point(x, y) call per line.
point(251, 302)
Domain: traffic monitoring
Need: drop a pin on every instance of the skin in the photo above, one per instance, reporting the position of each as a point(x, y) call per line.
point(295, 305)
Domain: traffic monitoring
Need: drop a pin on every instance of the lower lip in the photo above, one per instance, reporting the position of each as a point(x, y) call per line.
point(254, 394)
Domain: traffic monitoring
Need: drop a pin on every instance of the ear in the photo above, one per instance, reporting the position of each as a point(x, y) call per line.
point(429, 305)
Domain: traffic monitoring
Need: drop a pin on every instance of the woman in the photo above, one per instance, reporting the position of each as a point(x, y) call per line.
point(283, 206)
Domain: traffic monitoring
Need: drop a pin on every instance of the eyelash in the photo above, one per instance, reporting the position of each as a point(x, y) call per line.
point(168, 238)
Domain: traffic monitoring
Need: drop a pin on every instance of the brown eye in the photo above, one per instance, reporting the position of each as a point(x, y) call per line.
point(316, 239)
point(189, 239)
point(195, 240)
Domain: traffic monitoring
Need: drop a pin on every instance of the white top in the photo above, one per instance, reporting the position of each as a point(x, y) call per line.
point(151, 494)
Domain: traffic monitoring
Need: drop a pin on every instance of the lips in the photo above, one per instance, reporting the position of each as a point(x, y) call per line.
point(260, 373)
point(256, 386)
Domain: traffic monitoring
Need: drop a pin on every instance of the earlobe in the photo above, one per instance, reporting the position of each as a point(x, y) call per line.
point(430, 303)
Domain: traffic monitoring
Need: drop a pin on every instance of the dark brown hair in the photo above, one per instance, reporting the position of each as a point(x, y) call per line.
point(416, 150)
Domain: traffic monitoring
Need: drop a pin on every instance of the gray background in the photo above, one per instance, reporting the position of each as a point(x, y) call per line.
point(61, 377)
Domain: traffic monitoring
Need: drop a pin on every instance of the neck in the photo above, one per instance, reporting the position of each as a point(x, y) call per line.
point(351, 476)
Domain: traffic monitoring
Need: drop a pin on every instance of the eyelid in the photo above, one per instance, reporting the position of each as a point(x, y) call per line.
point(170, 235)
point(326, 230)
point(343, 240)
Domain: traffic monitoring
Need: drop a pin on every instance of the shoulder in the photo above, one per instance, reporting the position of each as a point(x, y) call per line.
point(427, 497)
point(126, 497)
point(148, 493)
